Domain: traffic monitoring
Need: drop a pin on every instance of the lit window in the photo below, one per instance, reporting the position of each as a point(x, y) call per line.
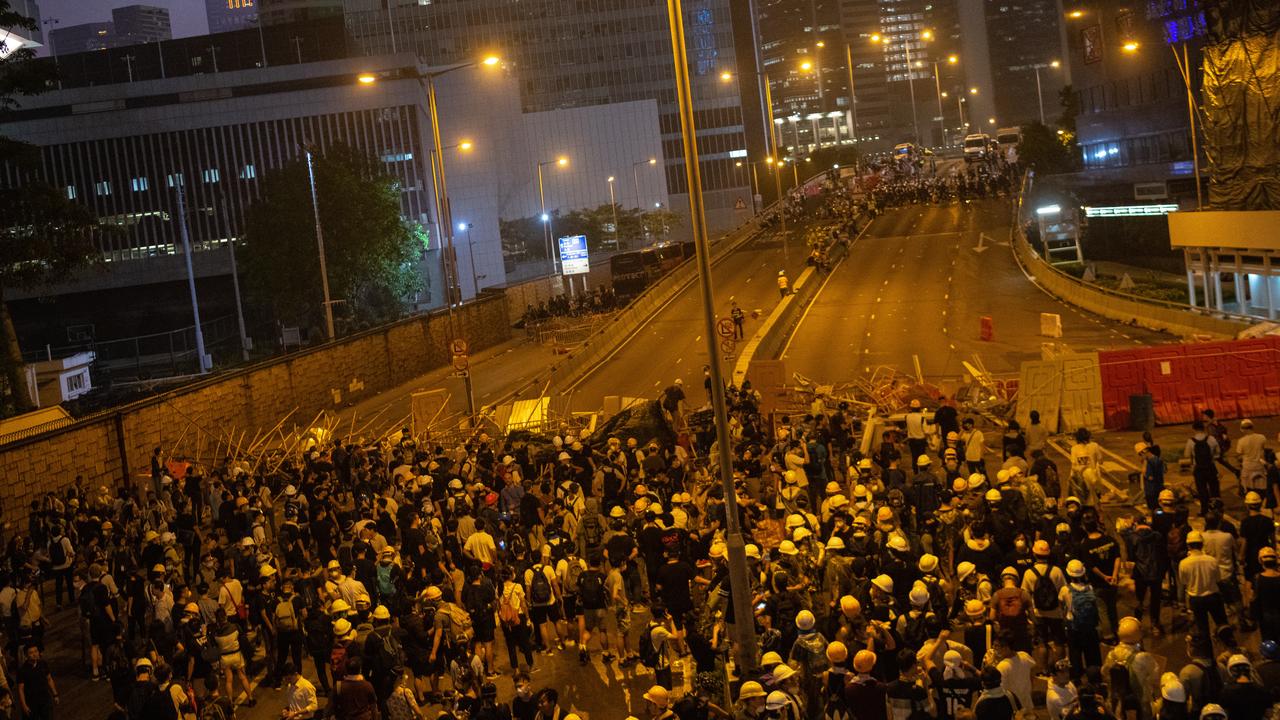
point(71, 192)
point(248, 172)
point(140, 184)
point(175, 180)
point(102, 187)
point(211, 175)
point(397, 157)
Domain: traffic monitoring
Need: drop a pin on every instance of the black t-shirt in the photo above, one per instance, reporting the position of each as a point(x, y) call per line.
point(529, 506)
point(674, 579)
point(34, 679)
point(1245, 701)
point(650, 542)
point(1099, 554)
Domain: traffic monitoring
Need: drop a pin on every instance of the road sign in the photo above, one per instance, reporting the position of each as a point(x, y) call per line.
point(740, 204)
point(460, 362)
point(727, 346)
point(724, 328)
point(573, 255)
point(458, 346)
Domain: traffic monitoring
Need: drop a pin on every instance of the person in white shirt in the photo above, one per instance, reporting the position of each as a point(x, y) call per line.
point(1253, 470)
point(1060, 693)
point(480, 546)
point(1015, 668)
point(975, 447)
point(300, 701)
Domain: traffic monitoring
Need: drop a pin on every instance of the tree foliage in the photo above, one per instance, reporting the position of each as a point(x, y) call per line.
point(525, 237)
point(44, 236)
point(1047, 151)
point(370, 251)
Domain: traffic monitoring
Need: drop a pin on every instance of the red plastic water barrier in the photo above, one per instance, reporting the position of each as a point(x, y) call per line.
point(1236, 378)
point(986, 329)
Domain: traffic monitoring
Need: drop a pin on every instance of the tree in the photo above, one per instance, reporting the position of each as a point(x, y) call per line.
point(44, 236)
point(370, 251)
point(1046, 150)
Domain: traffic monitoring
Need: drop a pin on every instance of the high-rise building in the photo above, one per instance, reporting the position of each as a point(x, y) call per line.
point(283, 12)
point(574, 54)
point(228, 15)
point(84, 37)
point(137, 24)
point(1025, 37)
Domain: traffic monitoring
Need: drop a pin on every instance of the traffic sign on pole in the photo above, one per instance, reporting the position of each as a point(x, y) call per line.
point(727, 346)
point(724, 328)
point(458, 346)
point(460, 362)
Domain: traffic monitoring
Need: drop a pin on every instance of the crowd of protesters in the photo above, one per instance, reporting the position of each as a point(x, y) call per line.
point(937, 577)
point(575, 304)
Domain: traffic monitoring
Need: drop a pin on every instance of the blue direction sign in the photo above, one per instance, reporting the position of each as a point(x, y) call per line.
point(573, 255)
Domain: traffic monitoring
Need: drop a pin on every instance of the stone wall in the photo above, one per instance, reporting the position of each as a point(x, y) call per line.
point(115, 447)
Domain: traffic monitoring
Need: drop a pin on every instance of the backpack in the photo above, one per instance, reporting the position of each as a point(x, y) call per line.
point(591, 592)
point(1084, 608)
point(460, 629)
point(540, 588)
point(1010, 606)
point(1202, 454)
point(916, 629)
point(507, 611)
point(212, 711)
point(572, 574)
point(386, 585)
point(591, 530)
point(338, 661)
point(287, 620)
point(649, 650)
point(88, 608)
point(1045, 596)
point(57, 552)
point(390, 657)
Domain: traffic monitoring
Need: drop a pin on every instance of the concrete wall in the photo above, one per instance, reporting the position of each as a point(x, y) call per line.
point(115, 447)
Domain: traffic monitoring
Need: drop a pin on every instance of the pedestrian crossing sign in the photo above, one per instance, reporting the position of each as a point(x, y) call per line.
point(740, 204)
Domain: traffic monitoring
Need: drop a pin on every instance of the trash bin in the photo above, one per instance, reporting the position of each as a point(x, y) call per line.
point(1142, 413)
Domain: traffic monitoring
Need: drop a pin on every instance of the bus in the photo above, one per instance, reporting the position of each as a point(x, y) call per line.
point(632, 272)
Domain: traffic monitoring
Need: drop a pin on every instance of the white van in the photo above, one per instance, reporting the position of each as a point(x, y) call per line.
point(975, 146)
point(1008, 140)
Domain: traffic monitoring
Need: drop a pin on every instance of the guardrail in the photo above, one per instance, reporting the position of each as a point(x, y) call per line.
point(1123, 307)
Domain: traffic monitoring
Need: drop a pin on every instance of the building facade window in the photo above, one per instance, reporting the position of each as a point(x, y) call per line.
point(102, 188)
point(212, 175)
point(248, 172)
point(71, 192)
point(175, 180)
point(140, 184)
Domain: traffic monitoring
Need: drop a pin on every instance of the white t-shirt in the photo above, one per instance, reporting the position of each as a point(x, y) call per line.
point(1015, 674)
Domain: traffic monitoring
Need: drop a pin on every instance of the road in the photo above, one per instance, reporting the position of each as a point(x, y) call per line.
point(672, 344)
point(916, 283)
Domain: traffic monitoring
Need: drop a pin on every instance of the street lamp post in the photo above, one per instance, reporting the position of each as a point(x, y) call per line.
point(635, 178)
point(744, 628)
point(1040, 93)
point(471, 254)
point(853, 105)
point(191, 279)
point(545, 216)
point(613, 205)
point(937, 85)
point(324, 272)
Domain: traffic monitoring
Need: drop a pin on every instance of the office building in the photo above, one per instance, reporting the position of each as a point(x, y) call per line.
point(284, 12)
point(124, 149)
point(137, 24)
point(1024, 37)
point(85, 37)
point(1133, 124)
point(15, 39)
point(228, 15)
point(578, 54)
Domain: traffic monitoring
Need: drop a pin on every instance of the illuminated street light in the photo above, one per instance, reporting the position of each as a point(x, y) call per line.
point(726, 76)
point(635, 177)
point(491, 60)
point(973, 91)
point(1055, 64)
point(367, 78)
point(1130, 46)
point(953, 59)
point(465, 145)
point(1075, 14)
point(546, 217)
point(821, 44)
point(806, 66)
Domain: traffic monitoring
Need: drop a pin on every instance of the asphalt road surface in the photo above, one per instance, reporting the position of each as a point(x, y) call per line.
point(918, 282)
point(672, 344)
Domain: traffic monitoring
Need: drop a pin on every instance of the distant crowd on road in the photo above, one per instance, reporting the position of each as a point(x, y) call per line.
point(574, 304)
point(974, 182)
point(955, 571)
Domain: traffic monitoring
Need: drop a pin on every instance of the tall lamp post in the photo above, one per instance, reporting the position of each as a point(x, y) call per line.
point(937, 85)
point(613, 205)
point(911, 85)
point(853, 105)
point(1183, 62)
point(635, 178)
point(1040, 93)
point(444, 212)
point(324, 272)
point(744, 628)
point(561, 161)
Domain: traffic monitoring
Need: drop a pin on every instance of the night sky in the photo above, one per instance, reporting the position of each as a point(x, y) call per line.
point(187, 16)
